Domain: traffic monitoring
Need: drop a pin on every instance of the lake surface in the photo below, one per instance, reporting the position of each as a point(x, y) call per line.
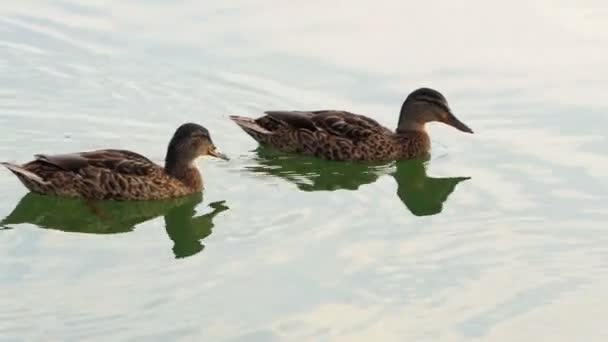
point(500, 236)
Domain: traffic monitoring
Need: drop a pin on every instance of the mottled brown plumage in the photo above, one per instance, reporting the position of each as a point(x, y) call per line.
point(120, 174)
point(341, 135)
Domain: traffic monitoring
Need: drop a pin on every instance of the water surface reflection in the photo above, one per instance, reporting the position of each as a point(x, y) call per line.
point(112, 217)
point(421, 194)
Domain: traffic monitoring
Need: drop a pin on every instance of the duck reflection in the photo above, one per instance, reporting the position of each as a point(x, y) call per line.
point(421, 194)
point(314, 174)
point(113, 217)
point(187, 231)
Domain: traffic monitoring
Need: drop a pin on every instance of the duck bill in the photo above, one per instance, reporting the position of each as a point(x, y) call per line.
point(459, 125)
point(217, 154)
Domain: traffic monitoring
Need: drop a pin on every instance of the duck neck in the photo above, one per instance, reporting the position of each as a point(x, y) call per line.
point(411, 126)
point(184, 171)
point(413, 142)
point(412, 118)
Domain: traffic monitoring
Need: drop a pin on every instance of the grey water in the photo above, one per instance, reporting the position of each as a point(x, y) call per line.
point(499, 236)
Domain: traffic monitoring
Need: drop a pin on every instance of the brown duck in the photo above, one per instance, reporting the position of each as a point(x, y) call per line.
point(121, 174)
point(340, 135)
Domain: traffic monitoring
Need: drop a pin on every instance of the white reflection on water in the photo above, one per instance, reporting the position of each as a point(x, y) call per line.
point(518, 252)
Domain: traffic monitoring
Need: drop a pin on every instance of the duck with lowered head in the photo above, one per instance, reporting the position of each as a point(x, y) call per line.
point(120, 174)
point(345, 136)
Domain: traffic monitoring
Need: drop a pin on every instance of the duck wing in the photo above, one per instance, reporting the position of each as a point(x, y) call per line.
point(117, 161)
point(337, 123)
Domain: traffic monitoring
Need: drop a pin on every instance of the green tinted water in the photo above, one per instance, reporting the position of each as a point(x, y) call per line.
point(499, 236)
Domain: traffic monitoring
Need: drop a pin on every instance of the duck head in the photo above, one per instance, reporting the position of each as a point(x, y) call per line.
point(427, 105)
point(189, 142)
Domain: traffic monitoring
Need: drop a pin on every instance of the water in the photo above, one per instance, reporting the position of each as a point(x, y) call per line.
point(500, 236)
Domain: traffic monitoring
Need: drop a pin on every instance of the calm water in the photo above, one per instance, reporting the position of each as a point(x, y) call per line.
point(500, 236)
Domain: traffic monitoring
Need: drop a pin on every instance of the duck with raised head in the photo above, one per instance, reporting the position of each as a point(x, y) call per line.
point(120, 174)
point(345, 136)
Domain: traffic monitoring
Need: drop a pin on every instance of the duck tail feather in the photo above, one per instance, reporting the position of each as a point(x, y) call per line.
point(20, 172)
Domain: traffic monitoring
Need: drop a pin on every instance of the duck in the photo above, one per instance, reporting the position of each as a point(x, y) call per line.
point(114, 174)
point(345, 136)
